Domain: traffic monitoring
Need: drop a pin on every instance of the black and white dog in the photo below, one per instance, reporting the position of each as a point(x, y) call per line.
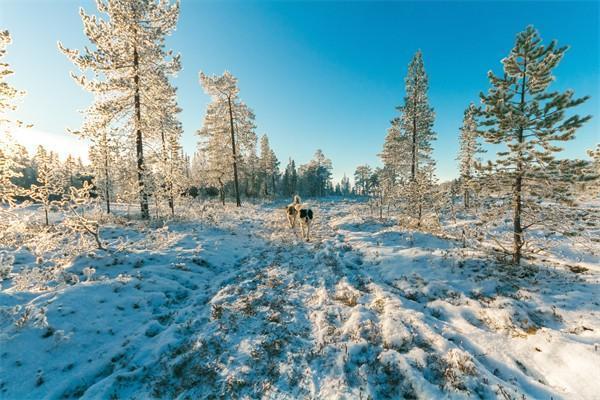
point(295, 211)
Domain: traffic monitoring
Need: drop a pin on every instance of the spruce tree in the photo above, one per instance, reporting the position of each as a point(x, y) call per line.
point(521, 113)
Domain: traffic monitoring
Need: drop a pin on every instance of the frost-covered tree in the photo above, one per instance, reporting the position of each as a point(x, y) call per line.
point(396, 154)
point(521, 113)
point(417, 116)
point(289, 180)
point(7, 92)
point(268, 165)
point(315, 176)
point(362, 179)
point(130, 69)
point(228, 119)
point(48, 189)
point(469, 149)
point(10, 170)
point(103, 154)
point(345, 187)
point(407, 147)
point(77, 199)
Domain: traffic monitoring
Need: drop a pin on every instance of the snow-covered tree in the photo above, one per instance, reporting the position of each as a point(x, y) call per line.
point(521, 113)
point(289, 180)
point(228, 120)
point(362, 179)
point(48, 189)
point(7, 92)
point(417, 116)
point(469, 149)
point(130, 69)
point(268, 165)
point(315, 176)
point(10, 170)
point(345, 187)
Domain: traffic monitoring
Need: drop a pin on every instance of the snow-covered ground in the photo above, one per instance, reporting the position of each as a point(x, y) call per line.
point(235, 305)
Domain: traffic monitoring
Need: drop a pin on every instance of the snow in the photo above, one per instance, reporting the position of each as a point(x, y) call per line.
point(236, 305)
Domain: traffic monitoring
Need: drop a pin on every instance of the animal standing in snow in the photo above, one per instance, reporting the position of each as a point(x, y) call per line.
point(295, 211)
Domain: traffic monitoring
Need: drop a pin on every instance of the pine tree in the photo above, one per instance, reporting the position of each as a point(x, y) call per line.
point(130, 67)
point(315, 176)
point(396, 153)
point(7, 92)
point(9, 172)
point(345, 188)
point(289, 181)
point(469, 148)
point(268, 164)
point(522, 114)
point(9, 168)
point(48, 188)
point(362, 181)
point(228, 119)
point(417, 115)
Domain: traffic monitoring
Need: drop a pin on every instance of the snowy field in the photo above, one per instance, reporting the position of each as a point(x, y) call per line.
point(232, 304)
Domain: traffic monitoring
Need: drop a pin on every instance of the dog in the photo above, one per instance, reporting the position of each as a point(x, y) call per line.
point(294, 211)
point(291, 211)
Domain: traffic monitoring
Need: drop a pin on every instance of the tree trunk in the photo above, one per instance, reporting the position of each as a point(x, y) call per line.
point(413, 169)
point(106, 183)
point(145, 211)
point(518, 190)
point(466, 199)
point(46, 213)
point(235, 171)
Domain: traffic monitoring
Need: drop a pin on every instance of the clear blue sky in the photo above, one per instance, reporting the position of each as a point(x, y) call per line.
point(319, 75)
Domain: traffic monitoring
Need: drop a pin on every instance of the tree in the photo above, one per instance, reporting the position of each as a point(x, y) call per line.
point(130, 67)
point(103, 153)
point(345, 188)
point(289, 181)
point(268, 164)
point(417, 116)
point(48, 189)
point(362, 179)
point(226, 113)
point(520, 113)
point(315, 176)
point(7, 92)
point(9, 169)
point(469, 148)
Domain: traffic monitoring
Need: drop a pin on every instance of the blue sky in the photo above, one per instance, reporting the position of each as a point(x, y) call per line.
point(317, 74)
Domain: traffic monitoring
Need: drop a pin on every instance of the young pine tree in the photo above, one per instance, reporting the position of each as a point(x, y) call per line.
point(523, 114)
point(48, 189)
point(469, 148)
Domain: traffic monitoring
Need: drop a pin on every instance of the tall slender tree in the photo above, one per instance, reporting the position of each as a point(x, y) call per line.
point(521, 113)
point(129, 63)
point(417, 115)
point(469, 149)
point(226, 111)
